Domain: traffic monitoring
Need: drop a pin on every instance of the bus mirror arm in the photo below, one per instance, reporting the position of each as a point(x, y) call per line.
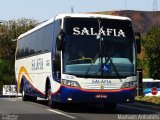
point(138, 42)
point(59, 41)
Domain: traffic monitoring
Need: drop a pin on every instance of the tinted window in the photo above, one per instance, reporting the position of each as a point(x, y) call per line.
point(85, 54)
point(37, 42)
point(57, 61)
point(152, 84)
point(90, 26)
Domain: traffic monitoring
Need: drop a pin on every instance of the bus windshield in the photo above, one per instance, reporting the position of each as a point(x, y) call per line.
point(93, 47)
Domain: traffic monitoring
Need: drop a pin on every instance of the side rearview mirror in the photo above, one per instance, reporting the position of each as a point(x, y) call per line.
point(138, 42)
point(59, 41)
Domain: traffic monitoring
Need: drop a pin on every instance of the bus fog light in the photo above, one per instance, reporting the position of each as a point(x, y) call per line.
point(69, 99)
point(128, 100)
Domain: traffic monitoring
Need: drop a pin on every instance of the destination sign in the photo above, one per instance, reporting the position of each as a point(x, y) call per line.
point(102, 31)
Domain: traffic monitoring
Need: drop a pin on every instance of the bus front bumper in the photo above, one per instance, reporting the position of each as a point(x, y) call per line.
point(73, 95)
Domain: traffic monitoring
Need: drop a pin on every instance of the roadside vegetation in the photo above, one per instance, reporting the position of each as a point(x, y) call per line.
point(151, 43)
point(149, 100)
point(148, 60)
point(9, 32)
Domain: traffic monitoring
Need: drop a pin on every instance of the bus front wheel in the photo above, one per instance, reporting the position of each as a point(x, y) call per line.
point(51, 103)
point(24, 96)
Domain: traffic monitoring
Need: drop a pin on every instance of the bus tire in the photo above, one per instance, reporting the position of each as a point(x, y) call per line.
point(110, 106)
point(51, 103)
point(24, 96)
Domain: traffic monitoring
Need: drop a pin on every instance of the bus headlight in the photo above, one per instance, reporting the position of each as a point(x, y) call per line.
point(129, 84)
point(70, 83)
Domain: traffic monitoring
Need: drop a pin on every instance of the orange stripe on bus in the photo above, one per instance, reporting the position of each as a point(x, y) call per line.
point(22, 72)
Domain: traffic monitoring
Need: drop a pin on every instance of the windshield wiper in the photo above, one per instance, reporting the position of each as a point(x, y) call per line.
point(99, 53)
point(102, 51)
point(109, 59)
point(89, 68)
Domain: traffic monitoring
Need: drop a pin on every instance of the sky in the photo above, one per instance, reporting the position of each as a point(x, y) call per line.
point(44, 9)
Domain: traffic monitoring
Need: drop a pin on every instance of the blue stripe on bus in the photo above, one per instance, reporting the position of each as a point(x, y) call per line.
point(79, 96)
point(31, 90)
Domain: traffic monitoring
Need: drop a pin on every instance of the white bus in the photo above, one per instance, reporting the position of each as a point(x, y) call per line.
point(151, 87)
point(78, 58)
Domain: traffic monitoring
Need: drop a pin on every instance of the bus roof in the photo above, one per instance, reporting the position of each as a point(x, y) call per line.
point(150, 80)
point(78, 15)
point(91, 16)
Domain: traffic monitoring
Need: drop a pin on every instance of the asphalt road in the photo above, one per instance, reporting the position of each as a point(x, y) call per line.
point(16, 109)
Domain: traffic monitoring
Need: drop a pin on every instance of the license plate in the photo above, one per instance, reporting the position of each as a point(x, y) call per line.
point(101, 96)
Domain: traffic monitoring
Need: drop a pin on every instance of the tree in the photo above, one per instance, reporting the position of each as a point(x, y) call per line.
point(152, 50)
point(10, 31)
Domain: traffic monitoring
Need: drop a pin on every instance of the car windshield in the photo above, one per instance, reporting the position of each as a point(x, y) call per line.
point(87, 53)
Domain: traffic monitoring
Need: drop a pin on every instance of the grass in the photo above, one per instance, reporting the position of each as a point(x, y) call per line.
point(149, 99)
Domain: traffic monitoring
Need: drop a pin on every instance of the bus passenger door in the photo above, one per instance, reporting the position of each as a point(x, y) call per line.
point(57, 53)
point(57, 67)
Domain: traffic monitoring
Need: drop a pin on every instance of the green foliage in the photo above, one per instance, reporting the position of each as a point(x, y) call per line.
point(152, 50)
point(6, 74)
point(9, 32)
point(143, 64)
